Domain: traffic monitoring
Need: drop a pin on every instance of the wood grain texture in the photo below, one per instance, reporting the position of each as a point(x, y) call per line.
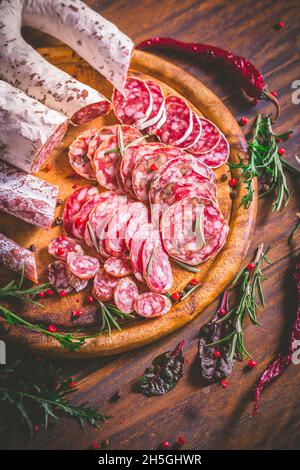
point(208, 417)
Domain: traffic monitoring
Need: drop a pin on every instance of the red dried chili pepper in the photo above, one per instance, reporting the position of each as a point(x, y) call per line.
point(250, 79)
point(281, 362)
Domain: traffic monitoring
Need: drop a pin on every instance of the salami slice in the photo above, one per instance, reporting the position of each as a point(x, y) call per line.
point(158, 105)
point(194, 136)
point(105, 133)
point(139, 219)
point(81, 218)
point(136, 252)
point(152, 130)
point(152, 305)
point(179, 122)
point(74, 203)
point(78, 157)
point(82, 266)
point(75, 282)
point(135, 105)
point(125, 294)
point(218, 156)
point(118, 267)
point(209, 138)
point(61, 246)
point(157, 269)
point(17, 258)
point(58, 276)
point(146, 167)
point(193, 230)
point(104, 285)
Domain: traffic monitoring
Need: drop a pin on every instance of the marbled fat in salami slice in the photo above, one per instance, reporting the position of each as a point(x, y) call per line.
point(82, 266)
point(105, 133)
point(78, 154)
point(135, 104)
point(58, 276)
point(125, 294)
point(152, 305)
point(118, 267)
point(104, 285)
point(209, 138)
point(218, 156)
point(139, 219)
point(81, 218)
point(17, 258)
point(179, 122)
point(61, 246)
point(136, 252)
point(194, 136)
point(157, 270)
point(74, 203)
point(158, 105)
point(193, 230)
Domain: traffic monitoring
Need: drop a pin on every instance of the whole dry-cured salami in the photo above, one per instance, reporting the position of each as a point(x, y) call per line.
point(157, 270)
point(17, 258)
point(118, 266)
point(74, 203)
point(125, 293)
point(179, 122)
point(134, 104)
point(27, 197)
point(218, 156)
point(61, 246)
point(82, 266)
point(78, 154)
point(58, 276)
point(193, 230)
point(29, 131)
point(158, 105)
point(152, 305)
point(195, 134)
point(104, 285)
point(208, 140)
point(136, 251)
point(139, 219)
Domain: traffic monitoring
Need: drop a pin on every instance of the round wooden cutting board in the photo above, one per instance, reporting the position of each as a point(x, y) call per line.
point(214, 274)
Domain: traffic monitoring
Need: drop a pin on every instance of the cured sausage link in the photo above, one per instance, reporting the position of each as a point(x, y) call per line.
point(29, 131)
point(26, 69)
point(16, 258)
point(27, 197)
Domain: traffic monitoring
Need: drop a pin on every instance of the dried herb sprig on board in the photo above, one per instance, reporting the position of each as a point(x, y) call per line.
point(111, 316)
point(36, 396)
point(295, 229)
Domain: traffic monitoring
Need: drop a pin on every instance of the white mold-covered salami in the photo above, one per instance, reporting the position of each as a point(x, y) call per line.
point(17, 258)
point(74, 204)
point(179, 122)
point(104, 285)
point(58, 276)
point(157, 269)
point(82, 266)
point(158, 105)
point(194, 136)
point(218, 156)
point(134, 105)
point(27, 197)
point(118, 266)
point(26, 69)
point(209, 139)
point(29, 131)
point(136, 251)
point(193, 230)
point(61, 246)
point(78, 154)
point(152, 305)
point(125, 293)
point(81, 218)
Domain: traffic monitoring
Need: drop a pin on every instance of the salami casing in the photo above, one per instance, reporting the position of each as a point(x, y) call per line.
point(209, 138)
point(158, 105)
point(74, 204)
point(27, 197)
point(29, 131)
point(134, 105)
point(157, 270)
point(104, 285)
point(125, 293)
point(61, 246)
point(82, 266)
point(58, 276)
point(78, 154)
point(152, 305)
point(195, 134)
point(118, 267)
point(17, 258)
point(179, 122)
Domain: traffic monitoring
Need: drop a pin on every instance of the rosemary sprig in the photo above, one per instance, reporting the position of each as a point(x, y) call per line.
point(42, 394)
point(111, 316)
point(121, 148)
point(295, 229)
point(187, 267)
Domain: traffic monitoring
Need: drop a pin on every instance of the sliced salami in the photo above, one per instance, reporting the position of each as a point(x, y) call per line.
point(104, 285)
point(152, 305)
point(61, 246)
point(139, 219)
point(118, 267)
point(81, 218)
point(136, 252)
point(194, 136)
point(17, 258)
point(218, 156)
point(105, 133)
point(193, 230)
point(74, 203)
point(179, 122)
point(82, 266)
point(135, 105)
point(209, 138)
point(77, 283)
point(158, 105)
point(152, 130)
point(125, 294)
point(58, 276)
point(157, 270)
point(78, 154)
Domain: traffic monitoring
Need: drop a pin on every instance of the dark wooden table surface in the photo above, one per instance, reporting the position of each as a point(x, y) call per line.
point(208, 417)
